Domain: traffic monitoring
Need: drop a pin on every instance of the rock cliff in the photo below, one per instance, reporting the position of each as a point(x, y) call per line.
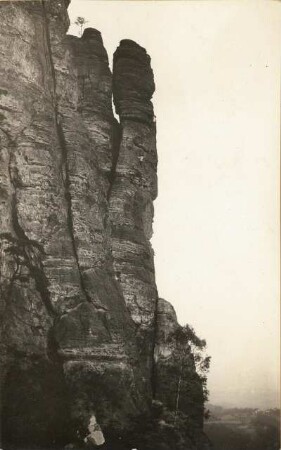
point(83, 333)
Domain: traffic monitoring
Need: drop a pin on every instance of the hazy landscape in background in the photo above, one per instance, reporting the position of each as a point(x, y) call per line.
point(216, 239)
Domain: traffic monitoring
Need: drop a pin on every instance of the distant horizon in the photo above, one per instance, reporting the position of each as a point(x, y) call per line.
point(216, 227)
point(230, 406)
point(269, 402)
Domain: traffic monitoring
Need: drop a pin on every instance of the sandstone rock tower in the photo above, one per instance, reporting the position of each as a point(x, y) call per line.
point(81, 319)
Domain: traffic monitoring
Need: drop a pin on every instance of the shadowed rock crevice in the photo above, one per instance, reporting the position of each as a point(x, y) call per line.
point(154, 344)
point(67, 195)
point(64, 158)
point(116, 142)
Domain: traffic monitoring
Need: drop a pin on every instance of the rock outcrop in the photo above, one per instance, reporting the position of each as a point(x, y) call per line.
point(81, 323)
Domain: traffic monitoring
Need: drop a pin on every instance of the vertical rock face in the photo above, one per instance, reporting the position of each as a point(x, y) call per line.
point(134, 187)
point(79, 305)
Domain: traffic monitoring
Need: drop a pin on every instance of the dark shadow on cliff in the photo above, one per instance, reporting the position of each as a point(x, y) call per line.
point(35, 405)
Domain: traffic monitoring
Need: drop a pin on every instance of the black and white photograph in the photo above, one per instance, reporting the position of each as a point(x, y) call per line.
point(140, 224)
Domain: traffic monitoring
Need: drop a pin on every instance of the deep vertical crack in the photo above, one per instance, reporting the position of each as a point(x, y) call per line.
point(154, 343)
point(67, 195)
point(116, 142)
point(64, 156)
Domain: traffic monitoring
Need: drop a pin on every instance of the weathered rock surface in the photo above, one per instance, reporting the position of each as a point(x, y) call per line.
point(134, 187)
point(78, 300)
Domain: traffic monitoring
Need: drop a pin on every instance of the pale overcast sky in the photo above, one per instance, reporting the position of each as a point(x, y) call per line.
point(216, 240)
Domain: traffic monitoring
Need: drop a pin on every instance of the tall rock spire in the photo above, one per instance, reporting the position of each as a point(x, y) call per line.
point(134, 188)
point(80, 321)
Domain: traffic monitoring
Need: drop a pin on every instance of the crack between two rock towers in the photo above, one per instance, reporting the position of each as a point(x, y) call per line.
point(64, 156)
point(117, 131)
point(154, 343)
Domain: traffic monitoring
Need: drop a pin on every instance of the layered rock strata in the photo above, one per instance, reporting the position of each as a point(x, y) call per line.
point(79, 305)
point(134, 187)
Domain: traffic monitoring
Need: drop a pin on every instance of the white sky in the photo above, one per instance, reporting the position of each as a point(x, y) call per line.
point(216, 240)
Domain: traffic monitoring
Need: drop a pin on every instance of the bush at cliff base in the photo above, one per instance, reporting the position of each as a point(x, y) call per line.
point(158, 430)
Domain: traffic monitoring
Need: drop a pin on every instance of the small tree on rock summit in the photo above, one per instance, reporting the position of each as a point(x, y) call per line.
point(80, 22)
